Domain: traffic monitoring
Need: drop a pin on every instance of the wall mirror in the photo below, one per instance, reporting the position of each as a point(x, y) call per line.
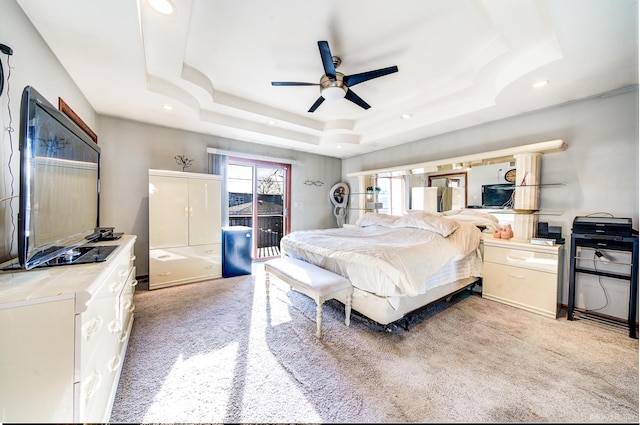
point(444, 189)
point(466, 174)
point(439, 188)
point(455, 188)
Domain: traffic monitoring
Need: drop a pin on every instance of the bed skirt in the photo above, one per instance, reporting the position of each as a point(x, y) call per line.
point(381, 311)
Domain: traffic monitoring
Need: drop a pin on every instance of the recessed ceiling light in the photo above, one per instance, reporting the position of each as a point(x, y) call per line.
point(540, 84)
point(163, 6)
point(271, 123)
point(167, 107)
point(339, 146)
point(406, 116)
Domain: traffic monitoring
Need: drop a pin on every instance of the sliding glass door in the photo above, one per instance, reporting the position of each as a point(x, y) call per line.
point(259, 198)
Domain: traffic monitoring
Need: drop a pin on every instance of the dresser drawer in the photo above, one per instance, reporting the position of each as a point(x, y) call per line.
point(98, 384)
point(126, 308)
point(185, 264)
point(98, 328)
point(529, 289)
point(530, 259)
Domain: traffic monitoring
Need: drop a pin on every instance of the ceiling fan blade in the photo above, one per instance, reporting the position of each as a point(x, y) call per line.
point(316, 104)
point(327, 59)
point(292, 83)
point(356, 99)
point(352, 80)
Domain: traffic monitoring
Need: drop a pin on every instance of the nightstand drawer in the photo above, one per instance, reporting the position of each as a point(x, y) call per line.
point(528, 289)
point(529, 259)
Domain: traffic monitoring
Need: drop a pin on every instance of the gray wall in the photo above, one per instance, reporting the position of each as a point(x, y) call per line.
point(32, 63)
point(130, 149)
point(599, 170)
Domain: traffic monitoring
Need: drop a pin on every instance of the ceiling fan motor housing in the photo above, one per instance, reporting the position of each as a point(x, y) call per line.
point(332, 89)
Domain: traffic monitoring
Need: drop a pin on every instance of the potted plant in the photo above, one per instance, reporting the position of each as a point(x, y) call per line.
point(370, 191)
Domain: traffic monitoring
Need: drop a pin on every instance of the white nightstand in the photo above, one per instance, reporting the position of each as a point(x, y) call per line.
point(523, 275)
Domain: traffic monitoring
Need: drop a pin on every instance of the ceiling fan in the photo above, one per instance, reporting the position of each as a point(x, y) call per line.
point(335, 85)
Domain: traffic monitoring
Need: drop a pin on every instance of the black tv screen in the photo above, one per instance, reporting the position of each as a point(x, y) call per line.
point(497, 195)
point(59, 183)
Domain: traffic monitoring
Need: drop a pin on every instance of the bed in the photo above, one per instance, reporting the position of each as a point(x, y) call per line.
point(398, 264)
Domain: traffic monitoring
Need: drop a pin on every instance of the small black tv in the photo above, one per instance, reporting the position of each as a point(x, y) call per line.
point(59, 183)
point(497, 195)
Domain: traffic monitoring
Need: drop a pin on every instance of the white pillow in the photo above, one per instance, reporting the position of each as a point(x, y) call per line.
point(471, 211)
point(489, 225)
point(376, 219)
point(433, 222)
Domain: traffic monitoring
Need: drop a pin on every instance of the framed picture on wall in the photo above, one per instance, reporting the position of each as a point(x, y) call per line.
point(66, 109)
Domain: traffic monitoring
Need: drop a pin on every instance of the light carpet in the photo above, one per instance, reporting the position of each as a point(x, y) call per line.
point(221, 351)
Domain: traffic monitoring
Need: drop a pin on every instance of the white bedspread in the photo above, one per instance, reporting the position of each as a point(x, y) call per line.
point(384, 260)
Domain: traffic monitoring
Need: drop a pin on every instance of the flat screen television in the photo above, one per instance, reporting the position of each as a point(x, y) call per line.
point(59, 184)
point(497, 195)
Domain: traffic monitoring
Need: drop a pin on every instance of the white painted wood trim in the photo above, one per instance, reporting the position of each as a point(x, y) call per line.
point(185, 174)
point(216, 151)
point(557, 145)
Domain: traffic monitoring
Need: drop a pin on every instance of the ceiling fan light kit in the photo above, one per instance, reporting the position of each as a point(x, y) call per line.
point(333, 89)
point(162, 6)
point(335, 85)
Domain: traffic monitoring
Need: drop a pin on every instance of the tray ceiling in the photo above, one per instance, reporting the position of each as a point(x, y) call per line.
point(461, 63)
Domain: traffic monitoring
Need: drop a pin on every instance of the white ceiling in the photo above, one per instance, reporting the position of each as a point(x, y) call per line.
point(461, 63)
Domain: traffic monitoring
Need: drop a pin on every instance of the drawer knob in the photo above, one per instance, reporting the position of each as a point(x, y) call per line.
point(92, 384)
point(114, 286)
point(114, 363)
point(90, 328)
point(114, 326)
point(516, 258)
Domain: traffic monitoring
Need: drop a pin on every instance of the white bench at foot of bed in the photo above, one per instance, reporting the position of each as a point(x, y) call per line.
point(315, 282)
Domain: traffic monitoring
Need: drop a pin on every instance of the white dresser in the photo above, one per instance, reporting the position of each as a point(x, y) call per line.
point(185, 227)
point(523, 275)
point(64, 332)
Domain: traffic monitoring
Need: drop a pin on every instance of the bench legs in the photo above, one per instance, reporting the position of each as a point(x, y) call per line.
point(319, 303)
point(319, 320)
point(347, 313)
point(266, 281)
point(347, 310)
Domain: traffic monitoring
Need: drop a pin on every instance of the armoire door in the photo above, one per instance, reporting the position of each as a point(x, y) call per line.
point(169, 204)
point(205, 214)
